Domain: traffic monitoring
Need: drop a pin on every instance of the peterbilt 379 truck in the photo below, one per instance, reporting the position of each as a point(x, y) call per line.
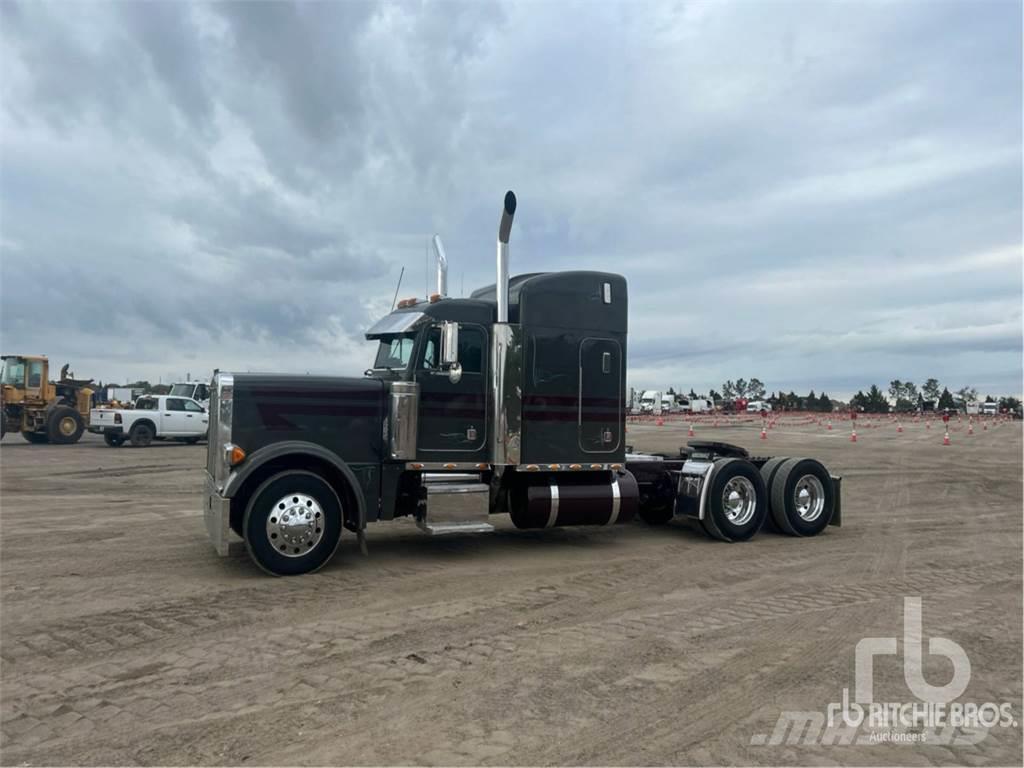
point(511, 401)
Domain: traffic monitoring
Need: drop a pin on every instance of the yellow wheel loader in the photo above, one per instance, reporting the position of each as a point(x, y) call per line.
point(42, 410)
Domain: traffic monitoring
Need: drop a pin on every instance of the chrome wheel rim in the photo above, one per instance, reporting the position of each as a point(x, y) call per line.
point(739, 500)
point(295, 524)
point(809, 498)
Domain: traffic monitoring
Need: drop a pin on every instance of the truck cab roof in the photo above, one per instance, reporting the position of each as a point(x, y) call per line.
point(595, 300)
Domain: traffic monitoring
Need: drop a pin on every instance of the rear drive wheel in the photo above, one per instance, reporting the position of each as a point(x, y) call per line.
point(36, 438)
point(65, 425)
point(292, 524)
point(768, 472)
point(141, 435)
point(803, 497)
point(737, 502)
point(114, 441)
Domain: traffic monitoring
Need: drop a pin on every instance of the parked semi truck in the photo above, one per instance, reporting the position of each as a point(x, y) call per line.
point(511, 401)
point(651, 402)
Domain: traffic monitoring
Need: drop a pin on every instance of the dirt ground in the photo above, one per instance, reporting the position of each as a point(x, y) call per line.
point(125, 640)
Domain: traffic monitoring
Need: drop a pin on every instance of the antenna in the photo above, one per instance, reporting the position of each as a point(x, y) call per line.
point(397, 287)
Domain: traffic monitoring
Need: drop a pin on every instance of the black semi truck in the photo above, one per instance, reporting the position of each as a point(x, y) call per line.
point(511, 401)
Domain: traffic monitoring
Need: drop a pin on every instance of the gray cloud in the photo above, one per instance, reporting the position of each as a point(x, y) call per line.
point(814, 194)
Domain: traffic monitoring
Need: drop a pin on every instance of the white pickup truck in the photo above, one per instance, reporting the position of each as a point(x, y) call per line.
point(154, 417)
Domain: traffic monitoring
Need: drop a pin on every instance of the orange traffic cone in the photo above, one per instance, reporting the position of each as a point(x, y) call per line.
point(660, 422)
point(690, 433)
point(970, 428)
point(830, 424)
point(945, 438)
point(899, 427)
point(764, 434)
point(853, 435)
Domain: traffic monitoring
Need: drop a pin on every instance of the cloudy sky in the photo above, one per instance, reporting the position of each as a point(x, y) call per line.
point(821, 195)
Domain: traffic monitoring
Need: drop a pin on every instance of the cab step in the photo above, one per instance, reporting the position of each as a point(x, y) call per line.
point(454, 503)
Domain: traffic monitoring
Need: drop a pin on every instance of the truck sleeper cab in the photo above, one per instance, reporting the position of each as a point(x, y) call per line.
point(511, 401)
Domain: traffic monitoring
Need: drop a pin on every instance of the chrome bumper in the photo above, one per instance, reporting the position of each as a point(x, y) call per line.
point(217, 514)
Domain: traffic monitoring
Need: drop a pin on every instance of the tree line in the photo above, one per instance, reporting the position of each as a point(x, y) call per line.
point(902, 396)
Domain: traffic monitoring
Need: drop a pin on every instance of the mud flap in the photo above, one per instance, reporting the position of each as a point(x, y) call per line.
point(837, 513)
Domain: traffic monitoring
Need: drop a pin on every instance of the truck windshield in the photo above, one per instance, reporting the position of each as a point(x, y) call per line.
point(182, 390)
point(14, 372)
point(394, 352)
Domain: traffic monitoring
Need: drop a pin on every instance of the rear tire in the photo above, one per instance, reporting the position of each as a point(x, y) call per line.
point(65, 425)
point(768, 471)
point(282, 525)
point(114, 441)
point(36, 438)
point(737, 502)
point(803, 497)
point(141, 435)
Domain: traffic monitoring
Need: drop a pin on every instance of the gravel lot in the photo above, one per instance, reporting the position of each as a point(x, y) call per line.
point(124, 639)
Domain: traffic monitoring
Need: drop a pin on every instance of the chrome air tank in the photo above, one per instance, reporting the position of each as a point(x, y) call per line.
point(586, 498)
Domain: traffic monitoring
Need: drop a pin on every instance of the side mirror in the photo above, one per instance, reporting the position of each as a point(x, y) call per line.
point(450, 345)
point(455, 373)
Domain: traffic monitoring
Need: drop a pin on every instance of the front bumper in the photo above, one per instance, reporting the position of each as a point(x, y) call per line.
point(217, 514)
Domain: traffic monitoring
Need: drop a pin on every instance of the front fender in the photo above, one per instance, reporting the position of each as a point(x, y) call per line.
point(296, 448)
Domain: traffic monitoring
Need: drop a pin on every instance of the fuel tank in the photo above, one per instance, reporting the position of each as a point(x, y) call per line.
point(592, 498)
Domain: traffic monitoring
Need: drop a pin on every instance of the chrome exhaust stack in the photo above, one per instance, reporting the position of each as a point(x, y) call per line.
point(504, 230)
point(442, 266)
point(506, 359)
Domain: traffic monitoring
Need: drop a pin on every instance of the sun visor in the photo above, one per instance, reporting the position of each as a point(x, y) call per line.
point(396, 322)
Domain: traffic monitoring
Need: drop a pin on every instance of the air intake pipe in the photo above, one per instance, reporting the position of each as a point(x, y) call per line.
point(504, 230)
point(442, 266)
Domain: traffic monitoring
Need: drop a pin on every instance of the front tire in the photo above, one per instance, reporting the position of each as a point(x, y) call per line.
point(737, 502)
point(293, 523)
point(141, 435)
point(65, 426)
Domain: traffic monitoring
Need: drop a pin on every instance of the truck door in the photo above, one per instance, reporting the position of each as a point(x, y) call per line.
point(196, 420)
point(453, 416)
point(600, 414)
point(173, 419)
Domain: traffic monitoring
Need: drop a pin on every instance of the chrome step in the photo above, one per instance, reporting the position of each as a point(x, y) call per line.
point(443, 529)
point(455, 504)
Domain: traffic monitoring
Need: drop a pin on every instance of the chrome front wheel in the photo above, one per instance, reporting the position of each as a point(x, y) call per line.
point(292, 522)
point(296, 524)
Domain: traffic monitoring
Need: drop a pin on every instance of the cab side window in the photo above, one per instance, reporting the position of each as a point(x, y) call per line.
point(175, 404)
point(471, 349)
point(193, 406)
point(35, 373)
point(431, 350)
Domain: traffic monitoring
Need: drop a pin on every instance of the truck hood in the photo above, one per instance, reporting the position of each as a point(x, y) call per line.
point(343, 413)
